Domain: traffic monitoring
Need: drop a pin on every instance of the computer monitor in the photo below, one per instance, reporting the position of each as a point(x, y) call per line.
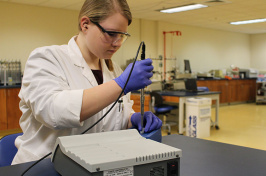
point(187, 66)
point(191, 84)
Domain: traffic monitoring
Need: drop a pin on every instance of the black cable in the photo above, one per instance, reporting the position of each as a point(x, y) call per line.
point(35, 163)
point(120, 93)
point(100, 118)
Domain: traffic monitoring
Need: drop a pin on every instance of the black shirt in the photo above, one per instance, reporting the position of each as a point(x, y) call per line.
point(98, 74)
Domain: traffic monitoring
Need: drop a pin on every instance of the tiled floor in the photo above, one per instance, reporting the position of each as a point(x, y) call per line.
point(242, 124)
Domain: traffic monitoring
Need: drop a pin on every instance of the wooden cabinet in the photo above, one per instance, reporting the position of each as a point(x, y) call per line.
point(242, 90)
point(136, 99)
point(232, 91)
point(217, 85)
point(12, 106)
point(3, 119)
point(9, 108)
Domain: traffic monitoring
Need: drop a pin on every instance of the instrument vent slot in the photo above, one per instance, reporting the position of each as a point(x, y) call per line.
point(157, 171)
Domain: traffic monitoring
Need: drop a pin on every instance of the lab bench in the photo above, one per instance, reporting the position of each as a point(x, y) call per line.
point(232, 91)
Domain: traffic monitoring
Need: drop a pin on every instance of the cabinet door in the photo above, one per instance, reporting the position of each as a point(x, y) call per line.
point(204, 83)
point(217, 85)
point(12, 106)
point(136, 105)
point(243, 90)
point(3, 119)
point(252, 91)
point(221, 86)
point(234, 91)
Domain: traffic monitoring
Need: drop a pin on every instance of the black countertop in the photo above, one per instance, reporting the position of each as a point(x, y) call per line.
point(11, 86)
point(199, 157)
point(210, 79)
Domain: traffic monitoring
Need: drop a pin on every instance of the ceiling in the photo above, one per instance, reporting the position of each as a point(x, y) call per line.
point(216, 16)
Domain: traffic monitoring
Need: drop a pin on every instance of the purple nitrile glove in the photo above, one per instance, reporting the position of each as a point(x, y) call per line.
point(151, 121)
point(140, 77)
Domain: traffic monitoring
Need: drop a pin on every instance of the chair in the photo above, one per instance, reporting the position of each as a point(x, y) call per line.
point(8, 149)
point(159, 108)
point(205, 89)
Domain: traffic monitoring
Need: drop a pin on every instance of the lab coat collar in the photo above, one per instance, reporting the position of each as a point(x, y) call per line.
point(75, 53)
point(78, 60)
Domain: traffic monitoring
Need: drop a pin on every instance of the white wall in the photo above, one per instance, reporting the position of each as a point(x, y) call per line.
point(206, 48)
point(258, 51)
point(24, 28)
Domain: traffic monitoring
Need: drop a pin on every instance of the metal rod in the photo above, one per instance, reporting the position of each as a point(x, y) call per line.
point(142, 96)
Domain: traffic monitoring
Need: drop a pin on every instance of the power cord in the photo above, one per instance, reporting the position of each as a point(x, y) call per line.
point(143, 47)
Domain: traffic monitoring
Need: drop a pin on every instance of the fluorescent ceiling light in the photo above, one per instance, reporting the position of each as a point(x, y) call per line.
point(183, 8)
point(249, 21)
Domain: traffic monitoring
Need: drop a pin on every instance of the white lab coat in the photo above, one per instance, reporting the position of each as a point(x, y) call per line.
point(51, 99)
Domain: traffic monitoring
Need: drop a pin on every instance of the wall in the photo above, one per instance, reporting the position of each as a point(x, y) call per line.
point(258, 51)
point(24, 28)
point(206, 48)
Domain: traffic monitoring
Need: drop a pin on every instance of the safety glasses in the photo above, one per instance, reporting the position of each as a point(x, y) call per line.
point(112, 36)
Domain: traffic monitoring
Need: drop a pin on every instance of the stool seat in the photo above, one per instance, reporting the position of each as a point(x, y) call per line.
point(164, 108)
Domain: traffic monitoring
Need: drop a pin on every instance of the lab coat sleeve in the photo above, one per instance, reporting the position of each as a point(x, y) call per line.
point(46, 92)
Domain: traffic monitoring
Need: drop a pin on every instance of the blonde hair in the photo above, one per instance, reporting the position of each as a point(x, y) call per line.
point(99, 10)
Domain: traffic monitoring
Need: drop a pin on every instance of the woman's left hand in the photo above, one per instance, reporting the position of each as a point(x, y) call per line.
point(151, 121)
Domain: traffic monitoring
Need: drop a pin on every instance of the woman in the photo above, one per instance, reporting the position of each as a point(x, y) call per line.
point(68, 88)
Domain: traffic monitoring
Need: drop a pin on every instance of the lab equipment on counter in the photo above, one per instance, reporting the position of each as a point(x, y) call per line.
point(204, 75)
point(10, 72)
point(113, 153)
point(187, 67)
point(191, 85)
point(179, 84)
point(217, 73)
point(184, 75)
point(155, 85)
point(248, 73)
point(261, 92)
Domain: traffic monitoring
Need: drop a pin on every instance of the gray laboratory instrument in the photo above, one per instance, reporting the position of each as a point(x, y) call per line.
point(114, 153)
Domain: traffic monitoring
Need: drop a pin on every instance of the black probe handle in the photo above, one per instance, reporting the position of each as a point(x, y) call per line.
point(143, 51)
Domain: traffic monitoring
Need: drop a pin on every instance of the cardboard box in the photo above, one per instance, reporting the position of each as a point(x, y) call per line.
point(198, 117)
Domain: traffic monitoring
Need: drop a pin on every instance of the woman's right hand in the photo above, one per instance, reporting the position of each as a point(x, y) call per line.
point(140, 77)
